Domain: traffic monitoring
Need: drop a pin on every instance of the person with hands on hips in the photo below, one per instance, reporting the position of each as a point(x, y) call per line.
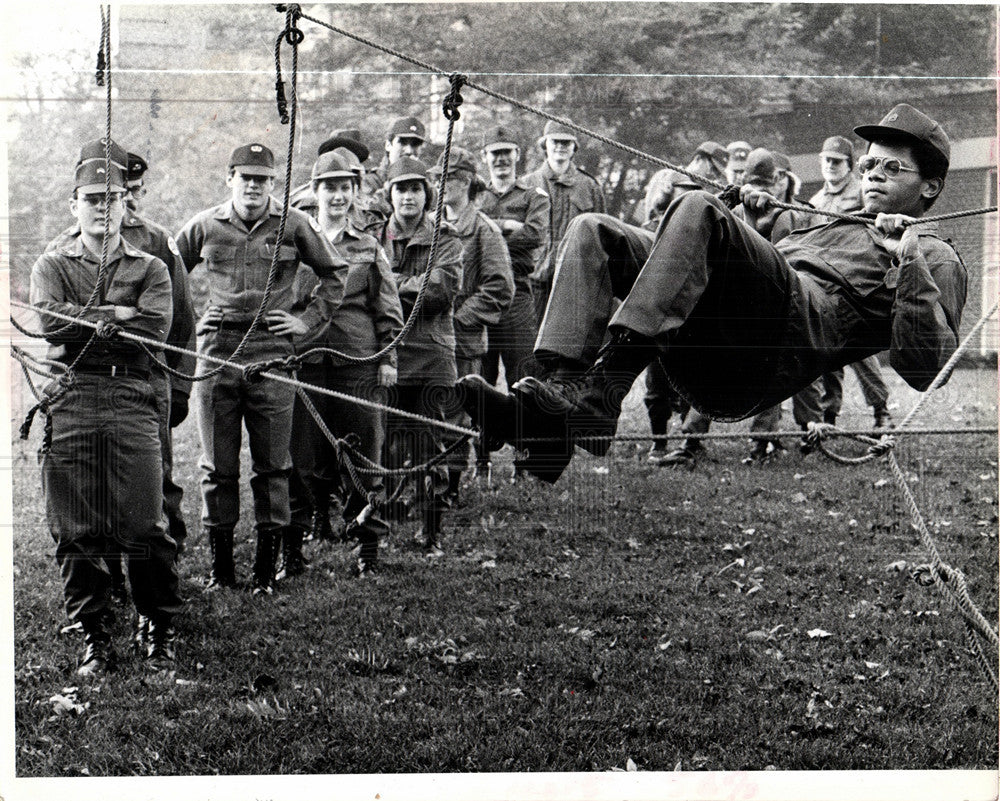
point(236, 243)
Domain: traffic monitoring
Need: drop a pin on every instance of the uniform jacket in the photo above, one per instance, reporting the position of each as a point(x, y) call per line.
point(238, 260)
point(370, 314)
point(524, 204)
point(63, 279)
point(846, 201)
point(428, 354)
point(570, 195)
point(487, 281)
point(157, 241)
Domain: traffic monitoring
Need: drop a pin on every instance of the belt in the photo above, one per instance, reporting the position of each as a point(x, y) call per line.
point(236, 325)
point(115, 371)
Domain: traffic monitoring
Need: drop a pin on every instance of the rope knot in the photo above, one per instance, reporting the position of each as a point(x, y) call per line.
point(292, 363)
point(107, 329)
point(817, 432)
point(66, 380)
point(252, 373)
point(883, 446)
point(924, 575)
point(454, 98)
point(293, 35)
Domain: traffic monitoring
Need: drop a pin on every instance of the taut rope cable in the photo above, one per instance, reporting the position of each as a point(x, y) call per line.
point(600, 137)
point(272, 376)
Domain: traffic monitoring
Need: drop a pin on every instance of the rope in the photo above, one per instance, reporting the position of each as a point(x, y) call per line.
point(450, 106)
point(270, 375)
point(642, 155)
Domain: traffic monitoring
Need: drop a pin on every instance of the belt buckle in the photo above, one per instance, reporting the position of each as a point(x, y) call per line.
point(114, 370)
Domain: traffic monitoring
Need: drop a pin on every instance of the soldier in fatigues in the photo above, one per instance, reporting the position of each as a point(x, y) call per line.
point(236, 241)
point(571, 192)
point(101, 468)
point(171, 393)
point(368, 319)
point(427, 356)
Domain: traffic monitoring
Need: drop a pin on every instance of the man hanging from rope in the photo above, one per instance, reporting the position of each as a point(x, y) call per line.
point(738, 324)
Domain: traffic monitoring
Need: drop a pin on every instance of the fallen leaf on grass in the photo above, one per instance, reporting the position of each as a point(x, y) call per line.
point(262, 709)
point(872, 665)
point(634, 544)
point(814, 633)
point(799, 497)
point(488, 564)
point(63, 704)
point(630, 766)
point(897, 567)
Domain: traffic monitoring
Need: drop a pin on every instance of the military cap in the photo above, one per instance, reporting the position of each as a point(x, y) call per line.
point(738, 152)
point(349, 138)
point(762, 165)
point(406, 169)
point(406, 126)
point(838, 147)
point(715, 153)
point(499, 138)
point(353, 162)
point(137, 167)
point(91, 177)
point(94, 150)
point(460, 160)
point(332, 165)
point(781, 161)
point(254, 158)
point(556, 130)
point(905, 120)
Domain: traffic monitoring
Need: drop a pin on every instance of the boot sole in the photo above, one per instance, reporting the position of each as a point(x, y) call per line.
point(580, 430)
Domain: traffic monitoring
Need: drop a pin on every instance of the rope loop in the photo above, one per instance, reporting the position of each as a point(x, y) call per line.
point(252, 373)
point(454, 98)
point(66, 380)
point(883, 446)
point(29, 418)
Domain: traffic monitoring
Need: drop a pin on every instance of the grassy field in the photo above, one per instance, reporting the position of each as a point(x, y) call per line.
point(722, 618)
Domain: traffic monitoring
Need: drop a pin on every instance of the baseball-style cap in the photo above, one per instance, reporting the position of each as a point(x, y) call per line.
point(332, 165)
point(254, 158)
point(94, 150)
point(761, 165)
point(137, 167)
point(353, 162)
point(556, 130)
point(349, 138)
point(406, 169)
point(461, 160)
point(499, 138)
point(406, 126)
point(91, 177)
point(715, 153)
point(907, 121)
point(680, 180)
point(738, 152)
point(838, 147)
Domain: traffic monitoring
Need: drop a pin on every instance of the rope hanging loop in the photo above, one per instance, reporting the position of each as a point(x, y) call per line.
point(453, 99)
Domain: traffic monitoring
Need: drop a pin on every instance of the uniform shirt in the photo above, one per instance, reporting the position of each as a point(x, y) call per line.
point(487, 281)
point(63, 279)
point(157, 241)
point(571, 194)
point(238, 259)
point(427, 356)
point(524, 204)
point(370, 314)
point(845, 200)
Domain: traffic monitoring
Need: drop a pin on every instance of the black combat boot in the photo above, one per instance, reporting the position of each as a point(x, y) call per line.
point(223, 572)
point(140, 636)
point(320, 528)
point(268, 541)
point(583, 408)
point(291, 562)
point(99, 656)
point(160, 652)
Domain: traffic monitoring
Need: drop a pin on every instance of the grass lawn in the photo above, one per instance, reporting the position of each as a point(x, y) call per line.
point(721, 618)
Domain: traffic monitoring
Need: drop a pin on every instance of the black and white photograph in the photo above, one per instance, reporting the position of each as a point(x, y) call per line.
point(515, 401)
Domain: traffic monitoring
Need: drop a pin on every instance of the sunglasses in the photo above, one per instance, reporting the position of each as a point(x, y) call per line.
point(890, 166)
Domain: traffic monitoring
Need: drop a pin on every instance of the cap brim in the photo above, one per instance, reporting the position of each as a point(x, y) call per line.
point(91, 189)
point(335, 174)
point(255, 169)
point(409, 176)
point(870, 132)
point(834, 154)
point(499, 146)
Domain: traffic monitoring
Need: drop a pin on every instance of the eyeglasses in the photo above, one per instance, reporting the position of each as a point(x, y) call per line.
point(890, 166)
point(98, 199)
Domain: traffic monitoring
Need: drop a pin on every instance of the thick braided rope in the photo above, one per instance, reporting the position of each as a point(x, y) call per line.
point(270, 375)
point(944, 576)
point(642, 155)
point(36, 365)
point(976, 646)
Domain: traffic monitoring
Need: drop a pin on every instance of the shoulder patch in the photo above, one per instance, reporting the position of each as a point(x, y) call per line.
point(314, 225)
point(173, 246)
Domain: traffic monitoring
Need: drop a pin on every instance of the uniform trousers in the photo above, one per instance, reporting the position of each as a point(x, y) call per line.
point(103, 487)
